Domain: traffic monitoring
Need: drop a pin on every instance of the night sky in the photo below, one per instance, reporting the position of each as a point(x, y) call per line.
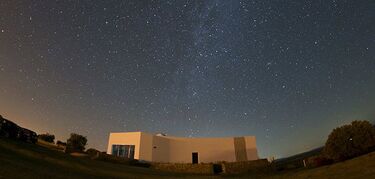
point(287, 72)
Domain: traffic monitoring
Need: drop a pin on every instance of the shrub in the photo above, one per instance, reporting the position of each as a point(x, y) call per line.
point(47, 137)
point(101, 156)
point(93, 152)
point(349, 141)
point(317, 161)
point(76, 143)
point(59, 143)
point(112, 159)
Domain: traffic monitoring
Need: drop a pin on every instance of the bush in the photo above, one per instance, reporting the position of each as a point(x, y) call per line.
point(59, 143)
point(112, 159)
point(47, 137)
point(349, 141)
point(93, 152)
point(76, 143)
point(317, 161)
point(101, 156)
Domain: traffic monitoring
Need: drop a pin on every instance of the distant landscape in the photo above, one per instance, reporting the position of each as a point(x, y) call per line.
point(45, 159)
point(24, 160)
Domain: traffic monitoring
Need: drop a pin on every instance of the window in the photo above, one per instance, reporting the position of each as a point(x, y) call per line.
point(123, 151)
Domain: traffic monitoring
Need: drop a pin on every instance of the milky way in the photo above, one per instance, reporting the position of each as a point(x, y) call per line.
point(287, 72)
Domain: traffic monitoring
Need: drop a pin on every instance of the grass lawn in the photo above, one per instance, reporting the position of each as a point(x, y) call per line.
point(23, 160)
point(360, 167)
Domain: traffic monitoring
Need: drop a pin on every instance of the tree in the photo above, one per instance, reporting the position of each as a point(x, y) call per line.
point(350, 140)
point(76, 143)
point(47, 137)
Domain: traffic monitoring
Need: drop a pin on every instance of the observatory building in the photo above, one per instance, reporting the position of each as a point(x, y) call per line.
point(162, 148)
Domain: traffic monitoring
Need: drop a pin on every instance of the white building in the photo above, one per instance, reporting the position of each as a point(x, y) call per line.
point(160, 148)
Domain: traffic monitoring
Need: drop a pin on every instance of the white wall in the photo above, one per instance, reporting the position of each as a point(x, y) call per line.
point(125, 138)
point(161, 149)
point(251, 148)
point(145, 152)
point(209, 149)
point(179, 150)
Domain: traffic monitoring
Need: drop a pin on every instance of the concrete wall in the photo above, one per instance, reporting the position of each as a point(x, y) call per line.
point(209, 149)
point(145, 152)
point(240, 149)
point(179, 150)
point(161, 149)
point(251, 148)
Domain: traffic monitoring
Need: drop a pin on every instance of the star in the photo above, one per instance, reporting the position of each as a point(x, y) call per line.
point(198, 69)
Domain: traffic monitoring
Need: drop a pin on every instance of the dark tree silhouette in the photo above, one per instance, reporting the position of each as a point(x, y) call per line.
point(47, 137)
point(76, 143)
point(350, 140)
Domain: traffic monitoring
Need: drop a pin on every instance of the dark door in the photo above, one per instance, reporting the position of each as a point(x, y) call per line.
point(195, 157)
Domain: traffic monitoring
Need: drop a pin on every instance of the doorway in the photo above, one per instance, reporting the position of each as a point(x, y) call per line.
point(194, 157)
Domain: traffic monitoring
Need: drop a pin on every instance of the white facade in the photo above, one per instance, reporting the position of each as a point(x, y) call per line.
point(157, 148)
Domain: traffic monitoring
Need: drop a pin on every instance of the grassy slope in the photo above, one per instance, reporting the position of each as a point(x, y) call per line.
point(22, 160)
point(360, 167)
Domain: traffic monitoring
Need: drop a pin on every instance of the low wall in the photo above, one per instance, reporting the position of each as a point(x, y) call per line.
point(261, 165)
point(209, 168)
point(184, 167)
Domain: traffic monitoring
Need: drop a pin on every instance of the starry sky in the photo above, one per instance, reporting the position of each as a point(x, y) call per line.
point(287, 72)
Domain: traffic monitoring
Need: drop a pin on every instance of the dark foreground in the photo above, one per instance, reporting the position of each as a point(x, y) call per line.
point(24, 160)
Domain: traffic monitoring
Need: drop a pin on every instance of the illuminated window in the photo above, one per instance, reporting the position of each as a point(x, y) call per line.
point(123, 151)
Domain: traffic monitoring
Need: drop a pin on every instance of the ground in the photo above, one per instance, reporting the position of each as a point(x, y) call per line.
point(23, 160)
point(360, 167)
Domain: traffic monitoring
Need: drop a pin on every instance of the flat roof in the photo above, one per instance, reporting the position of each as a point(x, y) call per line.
point(176, 137)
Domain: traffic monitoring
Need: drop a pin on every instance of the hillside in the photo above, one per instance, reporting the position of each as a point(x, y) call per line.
point(360, 167)
point(301, 156)
point(24, 160)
